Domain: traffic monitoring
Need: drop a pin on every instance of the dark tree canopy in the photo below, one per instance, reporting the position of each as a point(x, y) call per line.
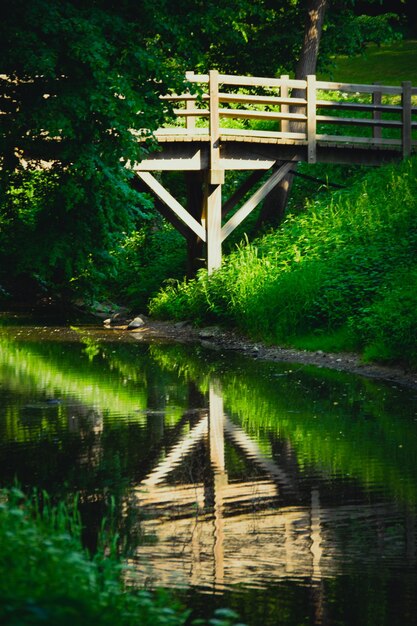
point(76, 78)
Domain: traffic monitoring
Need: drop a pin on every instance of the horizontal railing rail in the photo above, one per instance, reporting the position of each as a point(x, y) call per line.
point(308, 111)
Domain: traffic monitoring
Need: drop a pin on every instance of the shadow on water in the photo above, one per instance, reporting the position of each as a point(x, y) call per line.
point(286, 492)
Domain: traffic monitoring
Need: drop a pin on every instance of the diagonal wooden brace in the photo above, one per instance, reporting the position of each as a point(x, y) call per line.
point(173, 204)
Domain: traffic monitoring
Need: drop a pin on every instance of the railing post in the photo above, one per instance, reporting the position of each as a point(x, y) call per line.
point(285, 126)
point(311, 118)
point(189, 104)
point(216, 174)
point(215, 179)
point(406, 118)
point(377, 116)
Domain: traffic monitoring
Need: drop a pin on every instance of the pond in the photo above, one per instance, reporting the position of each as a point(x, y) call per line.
point(285, 492)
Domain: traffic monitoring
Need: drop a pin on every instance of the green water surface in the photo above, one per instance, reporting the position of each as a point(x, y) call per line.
point(286, 492)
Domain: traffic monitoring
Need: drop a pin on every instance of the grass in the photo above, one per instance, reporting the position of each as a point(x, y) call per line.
point(340, 273)
point(389, 64)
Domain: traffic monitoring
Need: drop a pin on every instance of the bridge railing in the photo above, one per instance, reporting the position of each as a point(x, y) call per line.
point(286, 110)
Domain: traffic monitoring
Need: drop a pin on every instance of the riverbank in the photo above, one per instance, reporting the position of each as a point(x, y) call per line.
point(216, 338)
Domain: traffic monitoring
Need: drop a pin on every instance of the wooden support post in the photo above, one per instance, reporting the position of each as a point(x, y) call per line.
point(285, 125)
point(311, 117)
point(214, 226)
point(377, 116)
point(215, 180)
point(315, 535)
point(216, 173)
point(195, 207)
point(406, 118)
point(189, 104)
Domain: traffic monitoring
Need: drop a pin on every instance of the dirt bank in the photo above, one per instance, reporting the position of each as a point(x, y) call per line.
point(219, 339)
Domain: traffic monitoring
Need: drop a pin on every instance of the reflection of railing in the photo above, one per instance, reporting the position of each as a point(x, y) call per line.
point(297, 108)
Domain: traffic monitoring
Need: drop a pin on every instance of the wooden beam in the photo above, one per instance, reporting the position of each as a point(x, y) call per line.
point(237, 98)
point(140, 186)
point(261, 115)
point(359, 106)
point(376, 115)
point(176, 155)
point(189, 105)
point(257, 197)
point(258, 81)
point(285, 127)
point(341, 139)
point(358, 121)
point(311, 118)
point(216, 426)
point(164, 195)
point(406, 118)
point(356, 87)
point(171, 217)
point(214, 225)
point(216, 173)
point(260, 134)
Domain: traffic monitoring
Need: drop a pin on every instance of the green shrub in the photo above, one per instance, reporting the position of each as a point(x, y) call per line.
point(388, 327)
point(149, 256)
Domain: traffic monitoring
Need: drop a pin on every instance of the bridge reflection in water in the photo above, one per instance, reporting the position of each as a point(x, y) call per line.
point(214, 532)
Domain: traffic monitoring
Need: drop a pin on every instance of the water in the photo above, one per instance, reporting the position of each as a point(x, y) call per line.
point(285, 492)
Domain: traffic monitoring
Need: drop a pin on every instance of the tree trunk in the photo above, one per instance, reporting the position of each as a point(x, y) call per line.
point(274, 205)
point(307, 62)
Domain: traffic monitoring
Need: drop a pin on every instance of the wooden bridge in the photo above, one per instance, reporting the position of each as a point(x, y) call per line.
point(261, 125)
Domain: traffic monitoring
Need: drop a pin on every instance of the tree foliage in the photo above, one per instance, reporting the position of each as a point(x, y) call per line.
point(77, 77)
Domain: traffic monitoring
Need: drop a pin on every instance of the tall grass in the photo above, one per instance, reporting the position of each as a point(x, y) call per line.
point(343, 263)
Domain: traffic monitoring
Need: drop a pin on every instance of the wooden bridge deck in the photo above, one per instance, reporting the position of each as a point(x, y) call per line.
point(224, 122)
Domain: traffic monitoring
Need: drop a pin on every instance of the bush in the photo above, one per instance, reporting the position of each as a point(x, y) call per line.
point(152, 254)
point(388, 327)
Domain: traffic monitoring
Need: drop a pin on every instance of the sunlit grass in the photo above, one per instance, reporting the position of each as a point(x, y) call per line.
point(330, 267)
point(388, 64)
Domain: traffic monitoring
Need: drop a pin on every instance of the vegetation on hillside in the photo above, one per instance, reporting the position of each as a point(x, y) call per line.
point(340, 275)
